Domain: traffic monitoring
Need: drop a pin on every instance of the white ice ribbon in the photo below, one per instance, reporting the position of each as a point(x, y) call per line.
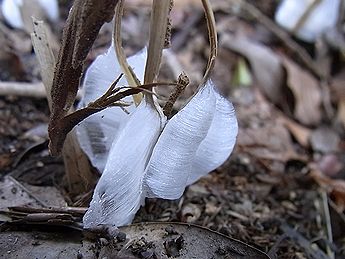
point(149, 157)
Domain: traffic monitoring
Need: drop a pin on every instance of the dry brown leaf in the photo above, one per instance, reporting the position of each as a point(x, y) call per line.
point(338, 95)
point(300, 133)
point(324, 140)
point(265, 64)
point(271, 141)
point(341, 112)
point(306, 91)
point(336, 187)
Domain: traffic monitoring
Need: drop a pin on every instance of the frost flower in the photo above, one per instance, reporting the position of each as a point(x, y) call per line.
point(12, 11)
point(144, 155)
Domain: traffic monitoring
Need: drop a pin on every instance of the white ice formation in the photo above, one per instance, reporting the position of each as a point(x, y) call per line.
point(145, 155)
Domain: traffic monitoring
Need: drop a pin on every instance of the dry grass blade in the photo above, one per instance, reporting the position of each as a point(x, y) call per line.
point(45, 56)
point(158, 29)
point(121, 57)
point(83, 24)
point(212, 34)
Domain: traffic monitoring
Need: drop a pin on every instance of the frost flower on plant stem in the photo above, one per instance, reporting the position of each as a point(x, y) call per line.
point(12, 10)
point(151, 156)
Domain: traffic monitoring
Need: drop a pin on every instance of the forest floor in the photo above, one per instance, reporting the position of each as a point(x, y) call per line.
point(283, 189)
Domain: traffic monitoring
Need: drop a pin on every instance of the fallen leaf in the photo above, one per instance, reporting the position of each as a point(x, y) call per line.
point(190, 213)
point(298, 131)
point(324, 140)
point(306, 91)
point(336, 187)
point(270, 141)
point(5, 160)
point(330, 164)
point(265, 64)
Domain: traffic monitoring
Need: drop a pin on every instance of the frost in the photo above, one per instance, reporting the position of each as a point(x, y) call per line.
point(143, 155)
point(97, 133)
point(11, 10)
point(320, 19)
point(118, 194)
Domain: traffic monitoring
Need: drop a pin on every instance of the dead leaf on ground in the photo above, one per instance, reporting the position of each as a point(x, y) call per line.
point(324, 140)
point(338, 95)
point(5, 160)
point(271, 141)
point(336, 187)
point(306, 91)
point(330, 164)
point(298, 131)
point(265, 64)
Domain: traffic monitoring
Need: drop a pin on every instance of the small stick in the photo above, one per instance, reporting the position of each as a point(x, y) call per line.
point(35, 90)
point(305, 15)
point(327, 222)
point(158, 28)
point(212, 35)
point(183, 81)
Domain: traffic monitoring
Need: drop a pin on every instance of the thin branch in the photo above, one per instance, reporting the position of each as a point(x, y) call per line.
point(183, 81)
point(327, 223)
point(35, 90)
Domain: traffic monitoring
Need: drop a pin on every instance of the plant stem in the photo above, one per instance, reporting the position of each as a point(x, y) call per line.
point(121, 57)
point(158, 28)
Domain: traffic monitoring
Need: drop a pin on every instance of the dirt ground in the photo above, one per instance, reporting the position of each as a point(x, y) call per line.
point(283, 189)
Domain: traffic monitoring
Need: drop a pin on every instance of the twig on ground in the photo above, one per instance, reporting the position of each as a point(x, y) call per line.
point(327, 222)
point(34, 90)
point(272, 253)
point(311, 251)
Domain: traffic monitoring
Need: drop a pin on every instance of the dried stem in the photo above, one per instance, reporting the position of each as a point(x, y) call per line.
point(121, 57)
point(78, 169)
point(82, 26)
point(183, 81)
point(212, 34)
point(158, 28)
point(304, 17)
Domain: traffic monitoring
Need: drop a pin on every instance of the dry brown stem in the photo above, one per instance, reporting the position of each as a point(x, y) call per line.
point(82, 26)
point(78, 169)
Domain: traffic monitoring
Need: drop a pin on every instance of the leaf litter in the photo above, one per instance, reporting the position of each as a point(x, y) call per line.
point(269, 181)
